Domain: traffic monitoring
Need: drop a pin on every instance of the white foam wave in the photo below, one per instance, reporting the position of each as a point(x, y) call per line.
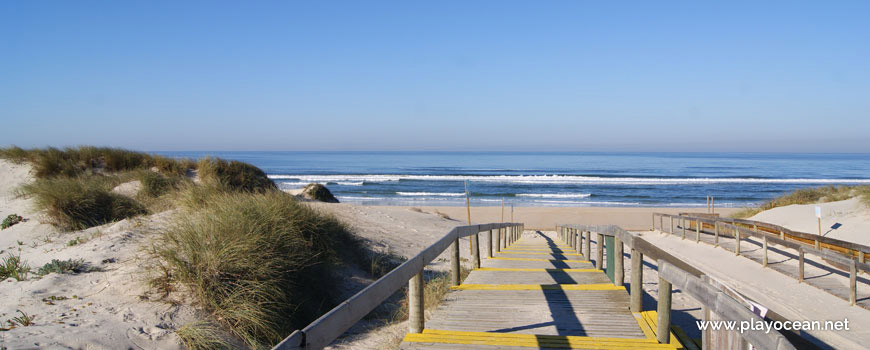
point(555, 195)
point(430, 194)
point(561, 179)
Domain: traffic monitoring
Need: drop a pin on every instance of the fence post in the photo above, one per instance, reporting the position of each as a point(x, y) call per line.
point(618, 262)
point(683, 225)
point(716, 233)
point(663, 332)
point(672, 224)
point(636, 281)
point(737, 240)
point(653, 222)
point(853, 282)
point(698, 231)
point(599, 263)
point(579, 242)
point(475, 251)
point(415, 303)
point(587, 251)
point(454, 271)
point(764, 248)
point(800, 264)
point(489, 249)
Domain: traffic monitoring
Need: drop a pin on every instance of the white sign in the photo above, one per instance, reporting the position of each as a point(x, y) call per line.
point(818, 212)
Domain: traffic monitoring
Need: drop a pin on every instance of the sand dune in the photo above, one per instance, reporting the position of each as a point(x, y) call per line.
point(852, 215)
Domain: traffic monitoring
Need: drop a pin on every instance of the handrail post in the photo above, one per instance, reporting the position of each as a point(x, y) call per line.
point(737, 240)
point(587, 251)
point(698, 231)
point(489, 248)
point(599, 263)
point(579, 242)
point(683, 225)
point(475, 250)
point(672, 224)
point(454, 271)
point(653, 222)
point(415, 304)
point(853, 282)
point(800, 264)
point(663, 329)
point(764, 248)
point(636, 287)
point(716, 233)
point(618, 262)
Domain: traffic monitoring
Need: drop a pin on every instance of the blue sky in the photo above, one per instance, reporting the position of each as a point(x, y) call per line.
point(773, 76)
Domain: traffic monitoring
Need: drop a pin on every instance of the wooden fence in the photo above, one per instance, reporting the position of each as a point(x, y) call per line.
point(673, 273)
point(836, 253)
point(334, 323)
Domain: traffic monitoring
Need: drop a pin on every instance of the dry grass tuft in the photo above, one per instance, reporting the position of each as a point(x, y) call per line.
point(79, 203)
point(259, 262)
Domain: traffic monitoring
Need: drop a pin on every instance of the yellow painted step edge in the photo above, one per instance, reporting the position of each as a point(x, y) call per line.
point(533, 259)
point(532, 336)
point(591, 286)
point(419, 338)
point(534, 270)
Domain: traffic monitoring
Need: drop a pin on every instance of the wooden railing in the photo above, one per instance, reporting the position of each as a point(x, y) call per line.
point(673, 273)
point(331, 325)
point(836, 253)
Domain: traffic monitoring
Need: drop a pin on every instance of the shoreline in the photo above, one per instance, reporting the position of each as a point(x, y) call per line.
point(545, 218)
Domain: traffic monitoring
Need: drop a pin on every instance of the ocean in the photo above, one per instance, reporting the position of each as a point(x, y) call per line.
point(554, 179)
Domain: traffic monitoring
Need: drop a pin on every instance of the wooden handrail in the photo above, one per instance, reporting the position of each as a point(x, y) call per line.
point(327, 328)
point(840, 246)
point(676, 273)
point(794, 240)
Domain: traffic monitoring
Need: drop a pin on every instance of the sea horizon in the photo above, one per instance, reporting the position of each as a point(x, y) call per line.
point(553, 178)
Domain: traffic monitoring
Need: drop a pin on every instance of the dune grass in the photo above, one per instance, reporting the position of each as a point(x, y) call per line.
point(233, 175)
point(261, 263)
point(201, 335)
point(82, 202)
point(12, 266)
point(76, 161)
point(809, 196)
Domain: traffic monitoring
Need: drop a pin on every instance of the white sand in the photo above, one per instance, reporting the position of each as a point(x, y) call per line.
point(852, 214)
point(105, 309)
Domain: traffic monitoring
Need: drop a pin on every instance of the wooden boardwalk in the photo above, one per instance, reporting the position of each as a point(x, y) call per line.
point(537, 293)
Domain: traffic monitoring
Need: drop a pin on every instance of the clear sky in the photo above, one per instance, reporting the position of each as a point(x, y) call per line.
point(437, 75)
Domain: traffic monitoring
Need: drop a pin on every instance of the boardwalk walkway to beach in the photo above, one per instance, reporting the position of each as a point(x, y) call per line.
point(537, 293)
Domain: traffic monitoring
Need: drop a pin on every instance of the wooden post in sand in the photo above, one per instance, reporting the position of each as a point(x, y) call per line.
point(853, 282)
point(737, 240)
point(683, 224)
point(636, 281)
point(454, 262)
point(618, 262)
point(489, 253)
point(415, 304)
point(800, 264)
point(671, 231)
point(712, 205)
point(599, 263)
point(588, 248)
point(475, 251)
point(653, 222)
point(663, 329)
point(716, 233)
